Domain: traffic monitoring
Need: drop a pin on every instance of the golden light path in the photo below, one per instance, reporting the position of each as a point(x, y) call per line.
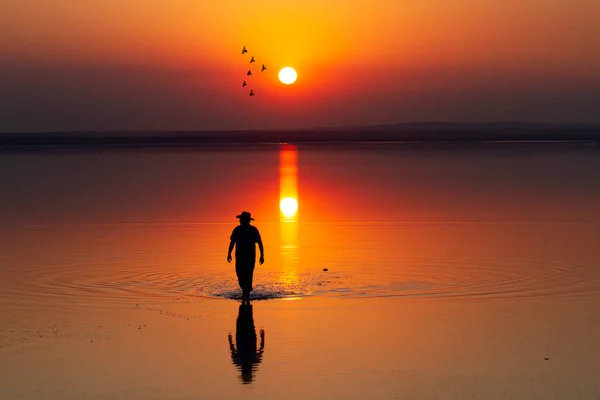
point(288, 182)
point(288, 205)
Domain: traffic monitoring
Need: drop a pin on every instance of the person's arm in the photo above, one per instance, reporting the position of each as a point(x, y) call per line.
point(261, 248)
point(262, 339)
point(233, 350)
point(231, 345)
point(231, 244)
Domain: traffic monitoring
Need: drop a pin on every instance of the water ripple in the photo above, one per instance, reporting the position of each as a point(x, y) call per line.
point(409, 278)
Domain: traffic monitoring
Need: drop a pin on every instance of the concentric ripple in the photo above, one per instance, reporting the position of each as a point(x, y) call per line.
point(482, 278)
point(98, 287)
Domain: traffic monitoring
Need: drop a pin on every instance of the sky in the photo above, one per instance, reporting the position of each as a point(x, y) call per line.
point(156, 65)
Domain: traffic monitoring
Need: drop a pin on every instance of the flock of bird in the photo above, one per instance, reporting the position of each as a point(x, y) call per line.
point(249, 73)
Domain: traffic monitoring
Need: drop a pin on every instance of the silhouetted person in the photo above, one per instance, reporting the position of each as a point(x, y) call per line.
point(244, 237)
point(246, 356)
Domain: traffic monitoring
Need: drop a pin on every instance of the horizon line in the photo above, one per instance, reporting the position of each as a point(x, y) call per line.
point(333, 128)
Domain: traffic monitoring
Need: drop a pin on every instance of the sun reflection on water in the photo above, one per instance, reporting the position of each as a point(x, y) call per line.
point(288, 182)
point(288, 204)
point(288, 207)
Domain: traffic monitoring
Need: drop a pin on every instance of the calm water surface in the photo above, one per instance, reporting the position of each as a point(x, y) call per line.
point(407, 272)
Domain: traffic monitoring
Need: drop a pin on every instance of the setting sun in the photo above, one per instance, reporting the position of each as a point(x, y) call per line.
point(288, 206)
point(288, 75)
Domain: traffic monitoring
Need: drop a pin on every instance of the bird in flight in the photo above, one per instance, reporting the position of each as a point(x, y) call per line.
point(244, 50)
point(252, 60)
point(251, 92)
point(263, 68)
point(249, 73)
point(244, 84)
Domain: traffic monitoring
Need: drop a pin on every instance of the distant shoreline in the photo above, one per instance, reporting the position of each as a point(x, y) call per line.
point(432, 133)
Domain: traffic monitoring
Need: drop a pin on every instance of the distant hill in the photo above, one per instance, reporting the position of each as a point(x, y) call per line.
point(431, 132)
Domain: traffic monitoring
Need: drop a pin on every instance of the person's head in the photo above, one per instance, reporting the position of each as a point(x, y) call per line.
point(247, 375)
point(245, 218)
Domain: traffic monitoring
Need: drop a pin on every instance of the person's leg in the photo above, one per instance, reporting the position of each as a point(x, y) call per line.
point(240, 276)
point(242, 273)
point(248, 281)
point(239, 271)
point(250, 278)
point(245, 270)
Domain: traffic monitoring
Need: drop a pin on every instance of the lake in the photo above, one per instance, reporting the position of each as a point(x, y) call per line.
point(407, 271)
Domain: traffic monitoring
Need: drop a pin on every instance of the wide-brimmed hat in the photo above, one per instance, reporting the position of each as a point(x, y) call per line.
point(245, 215)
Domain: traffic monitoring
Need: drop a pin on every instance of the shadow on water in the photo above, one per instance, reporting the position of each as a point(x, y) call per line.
point(245, 353)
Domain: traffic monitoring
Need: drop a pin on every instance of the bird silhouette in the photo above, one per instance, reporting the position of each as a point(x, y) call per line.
point(244, 50)
point(249, 73)
point(244, 84)
point(252, 60)
point(251, 92)
point(263, 68)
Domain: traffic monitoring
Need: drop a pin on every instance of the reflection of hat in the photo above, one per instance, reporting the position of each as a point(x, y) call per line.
point(247, 373)
point(245, 215)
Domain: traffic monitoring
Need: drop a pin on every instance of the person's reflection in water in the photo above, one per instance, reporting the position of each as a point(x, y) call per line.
point(248, 355)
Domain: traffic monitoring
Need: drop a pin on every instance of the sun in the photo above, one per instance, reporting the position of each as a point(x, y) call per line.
point(288, 206)
point(288, 75)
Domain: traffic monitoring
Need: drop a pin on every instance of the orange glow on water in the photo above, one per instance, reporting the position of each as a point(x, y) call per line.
point(288, 204)
point(288, 182)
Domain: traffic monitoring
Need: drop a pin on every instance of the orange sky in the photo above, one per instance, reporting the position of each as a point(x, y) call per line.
point(380, 51)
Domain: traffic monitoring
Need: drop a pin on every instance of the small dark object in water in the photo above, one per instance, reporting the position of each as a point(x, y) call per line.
point(546, 358)
point(325, 269)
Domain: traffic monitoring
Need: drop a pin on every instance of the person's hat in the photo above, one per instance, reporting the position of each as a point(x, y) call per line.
point(245, 215)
